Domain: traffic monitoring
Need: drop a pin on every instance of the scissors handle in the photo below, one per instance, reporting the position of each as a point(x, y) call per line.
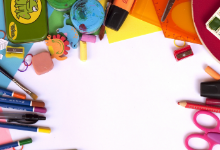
point(206, 130)
point(204, 137)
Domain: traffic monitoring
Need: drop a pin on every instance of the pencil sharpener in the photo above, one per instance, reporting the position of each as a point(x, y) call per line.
point(183, 53)
point(17, 52)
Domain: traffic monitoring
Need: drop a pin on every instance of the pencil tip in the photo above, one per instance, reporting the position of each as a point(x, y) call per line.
point(34, 96)
point(178, 103)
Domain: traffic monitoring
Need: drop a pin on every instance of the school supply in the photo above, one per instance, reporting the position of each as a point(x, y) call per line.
point(167, 9)
point(87, 16)
point(117, 14)
point(178, 23)
point(26, 21)
point(212, 73)
point(213, 24)
point(88, 38)
point(17, 52)
point(183, 53)
point(210, 89)
point(12, 93)
point(210, 42)
point(3, 42)
point(211, 135)
point(21, 102)
point(199, 106)
point(42, 63)
point(34, 96)
point(144, 10)
point(23, 107)
point(210, 101)
point(21, 118)
point(70, 32)
point(15, 144)
point(83, 51)
point(61, 5)
point(58, 46)
point(24, 127)
point(102, 29)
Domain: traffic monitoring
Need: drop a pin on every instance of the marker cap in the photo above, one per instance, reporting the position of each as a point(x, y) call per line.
point(210, 101)
point(18, 95)
point(44, 130)
point(40, 109)
point(210, 89)
point(27, 141)
point(37, 104)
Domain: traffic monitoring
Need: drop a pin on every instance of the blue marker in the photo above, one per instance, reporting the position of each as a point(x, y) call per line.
point(24, 108)
point(12, 93)
point(15, 144)
point(24, 127)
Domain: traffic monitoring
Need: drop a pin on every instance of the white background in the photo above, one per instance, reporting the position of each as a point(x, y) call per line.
point(124, 97)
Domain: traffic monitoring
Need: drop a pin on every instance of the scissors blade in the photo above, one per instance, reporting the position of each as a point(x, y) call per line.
point(214, 136)
point(167, 9)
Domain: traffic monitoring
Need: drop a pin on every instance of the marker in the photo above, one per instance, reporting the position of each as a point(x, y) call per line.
point(12, 93)
point(210, 89)
point(15, 144)
point(200, 106)
point(210, 101)
point(24, 127)
point(24, 108)
point(21, 102)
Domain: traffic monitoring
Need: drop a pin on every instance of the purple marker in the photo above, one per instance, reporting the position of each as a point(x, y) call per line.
point(24, 108)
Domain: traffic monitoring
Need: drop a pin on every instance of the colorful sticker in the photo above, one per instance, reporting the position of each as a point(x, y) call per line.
point(13, 30)
point(26, 11)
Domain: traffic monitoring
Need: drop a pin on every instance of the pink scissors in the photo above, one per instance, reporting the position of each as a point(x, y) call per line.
point(212, 136)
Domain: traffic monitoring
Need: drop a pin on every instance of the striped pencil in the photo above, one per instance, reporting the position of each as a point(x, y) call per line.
point(200, 106)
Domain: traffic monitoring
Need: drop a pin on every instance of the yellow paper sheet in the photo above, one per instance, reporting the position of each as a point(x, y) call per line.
point(131, 28)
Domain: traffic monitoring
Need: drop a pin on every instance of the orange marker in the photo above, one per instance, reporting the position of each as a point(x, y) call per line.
point(212, 73)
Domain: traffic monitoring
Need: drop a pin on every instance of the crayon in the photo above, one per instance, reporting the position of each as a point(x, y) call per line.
point(24, 127)
point(24, 108)
point(15, 144)
point(21, 102)
point(12, 93)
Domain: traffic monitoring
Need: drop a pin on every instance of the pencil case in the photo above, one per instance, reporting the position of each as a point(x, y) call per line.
point(26, 20)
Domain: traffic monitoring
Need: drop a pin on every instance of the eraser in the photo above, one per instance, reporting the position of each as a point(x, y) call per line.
point(42, 63)
point(88, 38)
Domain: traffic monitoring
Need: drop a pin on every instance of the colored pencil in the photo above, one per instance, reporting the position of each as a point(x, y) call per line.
point(15, 144)
point(34, 96)
point(22, 102)
point(200, 106)
point(24, 127)
point(24, 108)
point(12, 93)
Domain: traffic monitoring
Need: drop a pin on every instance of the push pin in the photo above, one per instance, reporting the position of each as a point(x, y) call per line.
point(183, 53)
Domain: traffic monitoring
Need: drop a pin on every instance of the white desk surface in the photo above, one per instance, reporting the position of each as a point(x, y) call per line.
point(123, 98)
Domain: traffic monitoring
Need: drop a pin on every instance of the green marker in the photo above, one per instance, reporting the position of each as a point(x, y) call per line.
point(15, 144)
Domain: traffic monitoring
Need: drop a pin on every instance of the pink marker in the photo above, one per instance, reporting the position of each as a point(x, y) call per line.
point(88, 38)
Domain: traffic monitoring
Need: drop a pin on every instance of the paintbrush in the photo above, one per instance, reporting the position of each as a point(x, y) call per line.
point(102, 29)
point(34, 96)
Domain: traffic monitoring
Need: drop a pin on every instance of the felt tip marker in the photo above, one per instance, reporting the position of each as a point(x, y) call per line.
point(12, 93)
point(24, 108)
point(21, 102)
point(24, 127)
point(15, 144)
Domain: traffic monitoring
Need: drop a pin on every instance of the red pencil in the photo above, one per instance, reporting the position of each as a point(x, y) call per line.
point(200, 106)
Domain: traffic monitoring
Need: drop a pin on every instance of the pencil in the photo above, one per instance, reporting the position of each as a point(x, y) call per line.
point(34, 96)
point(200, 106)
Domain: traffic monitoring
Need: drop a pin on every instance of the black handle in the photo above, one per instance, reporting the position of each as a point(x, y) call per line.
point(6, 73)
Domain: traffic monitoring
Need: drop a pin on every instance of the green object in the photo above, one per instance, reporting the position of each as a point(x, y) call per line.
point(26, 21)
point(23, 142)
point(214, 24)
point(61, 5)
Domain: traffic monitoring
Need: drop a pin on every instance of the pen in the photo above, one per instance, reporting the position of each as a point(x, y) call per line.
point(12, 93)
point(21, 118)
point(24, 108)
point(15, 144)
point(21, 102)
point(24, 127)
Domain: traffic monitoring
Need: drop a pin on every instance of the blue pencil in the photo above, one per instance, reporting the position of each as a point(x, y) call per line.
point(15, 144)
point(24, 127)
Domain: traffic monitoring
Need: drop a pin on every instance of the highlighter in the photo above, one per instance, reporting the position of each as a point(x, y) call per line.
point(117, 14)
